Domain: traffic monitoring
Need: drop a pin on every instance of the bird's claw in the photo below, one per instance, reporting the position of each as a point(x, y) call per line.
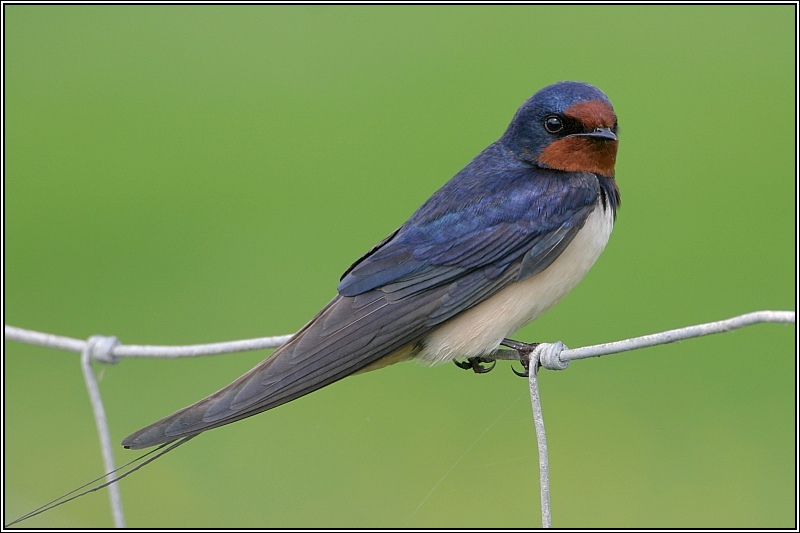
point(526, 369)
point(524, 350)
point(475, 364)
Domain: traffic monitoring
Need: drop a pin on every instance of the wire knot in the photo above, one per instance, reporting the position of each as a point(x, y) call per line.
point(549, 355)
point(100, 347)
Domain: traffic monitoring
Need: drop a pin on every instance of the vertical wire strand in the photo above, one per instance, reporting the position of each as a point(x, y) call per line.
point(541, 439)
point(102, 428)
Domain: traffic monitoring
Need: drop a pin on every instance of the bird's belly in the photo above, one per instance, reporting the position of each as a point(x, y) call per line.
point(481, 329)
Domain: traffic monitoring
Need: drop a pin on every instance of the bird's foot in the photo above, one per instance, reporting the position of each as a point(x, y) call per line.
point(524, 350)
point(475, 364)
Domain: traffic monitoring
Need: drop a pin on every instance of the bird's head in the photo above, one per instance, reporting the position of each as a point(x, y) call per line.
point(568, 126)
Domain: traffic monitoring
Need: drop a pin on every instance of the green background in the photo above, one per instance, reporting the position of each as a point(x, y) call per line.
point(179, 175)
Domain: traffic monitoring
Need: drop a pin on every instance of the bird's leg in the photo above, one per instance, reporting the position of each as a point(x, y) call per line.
point(524, 350)
point(475, 364)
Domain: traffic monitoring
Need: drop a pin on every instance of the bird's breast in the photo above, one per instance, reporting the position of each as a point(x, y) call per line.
point(480, 329)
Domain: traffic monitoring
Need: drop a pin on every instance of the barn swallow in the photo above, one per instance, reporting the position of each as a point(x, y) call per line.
point(494, 248)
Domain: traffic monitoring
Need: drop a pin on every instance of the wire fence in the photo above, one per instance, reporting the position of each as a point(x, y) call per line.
point(554, 356)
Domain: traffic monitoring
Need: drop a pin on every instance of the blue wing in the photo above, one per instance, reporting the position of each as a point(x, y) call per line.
point(495, 215)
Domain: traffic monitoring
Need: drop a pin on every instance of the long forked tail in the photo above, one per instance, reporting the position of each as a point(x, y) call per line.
point(213, 411)
point(69, 496)
point(348, 335)
point(259, 389)
point(185, 423)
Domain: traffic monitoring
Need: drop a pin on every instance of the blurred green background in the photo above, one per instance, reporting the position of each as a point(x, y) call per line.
point(180, 175)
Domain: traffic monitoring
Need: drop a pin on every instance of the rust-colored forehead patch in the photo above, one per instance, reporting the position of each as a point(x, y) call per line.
point(592, 114)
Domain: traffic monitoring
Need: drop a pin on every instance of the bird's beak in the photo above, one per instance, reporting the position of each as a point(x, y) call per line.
point(599, 133)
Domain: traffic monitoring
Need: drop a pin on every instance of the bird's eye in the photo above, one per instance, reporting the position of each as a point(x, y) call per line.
point(553, 124)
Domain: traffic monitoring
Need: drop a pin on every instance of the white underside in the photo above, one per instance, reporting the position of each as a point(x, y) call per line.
point(480, 330)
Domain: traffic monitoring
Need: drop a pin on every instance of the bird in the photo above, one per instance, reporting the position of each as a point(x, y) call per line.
point(496, 246)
